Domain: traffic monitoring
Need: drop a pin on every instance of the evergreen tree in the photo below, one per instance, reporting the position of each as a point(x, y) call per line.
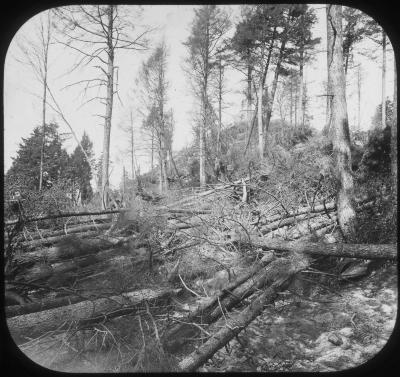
point(80, 169)
point(27, 162)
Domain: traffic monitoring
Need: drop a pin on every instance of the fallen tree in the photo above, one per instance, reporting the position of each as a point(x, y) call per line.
point(81, 314)
point(361, 251)
point(279, 274)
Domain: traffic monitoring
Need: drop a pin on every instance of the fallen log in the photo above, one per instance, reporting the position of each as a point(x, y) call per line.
point(52, 240)
point(68, 214)
point(56, 270)
point(235, 324)
point(287, 221)
point(361, 251)
point(82, 313)
point(173, 339)
point(71, 247)
point(72, 230)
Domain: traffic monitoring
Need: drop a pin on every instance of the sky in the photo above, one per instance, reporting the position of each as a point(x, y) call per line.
point(22, 104)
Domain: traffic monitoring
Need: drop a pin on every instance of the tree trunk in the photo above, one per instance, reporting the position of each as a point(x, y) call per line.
point(35, 324)
point(359, 98)
point(219, 108)
point(274, 86)
point(329, 98)
point(359, 251)
point(133, 169)
point(46, 43)
point(340, 125)
point(109, 108)
point(301, 94)
point(249, 99)
point(383, 120)
point(260, 122)
point(394, 136)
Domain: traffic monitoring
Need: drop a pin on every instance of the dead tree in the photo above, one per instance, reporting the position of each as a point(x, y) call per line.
point(35, 53)
point(97, 33)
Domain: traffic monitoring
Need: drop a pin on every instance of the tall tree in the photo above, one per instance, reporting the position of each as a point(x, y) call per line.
point(97, 32)
point(155, 85)
point(339, 122)
point(35, 51)
point(208, 28)
point(394, 135)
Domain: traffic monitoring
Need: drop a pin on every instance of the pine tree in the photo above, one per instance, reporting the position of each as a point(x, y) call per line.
point(26, 164)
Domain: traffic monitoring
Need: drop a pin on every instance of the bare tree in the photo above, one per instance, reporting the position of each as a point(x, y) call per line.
point(35, 53)
point(208, 28)
point(339, 122)
point(97, 32)
point(394, 135)
point(154, 89)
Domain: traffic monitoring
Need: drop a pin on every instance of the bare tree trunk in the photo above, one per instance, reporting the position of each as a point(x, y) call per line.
point(109, 108)
point(152, 149)
point(329, 37)
point(301, 94)
point(291, 103)
point(219, 108)
point(260, 122)
point(46, 43)
point(133, 170)
point(394, 136)
point(274, 86)
point(383, 121)
point(340, 125)
point(249, 100)
point(359, 98)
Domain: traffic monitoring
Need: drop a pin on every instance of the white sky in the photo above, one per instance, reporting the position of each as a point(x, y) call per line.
point(22, 106)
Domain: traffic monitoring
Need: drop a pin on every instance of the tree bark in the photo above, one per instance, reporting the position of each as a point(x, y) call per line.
point(359, 251)
point(394, 137)
point(340, 125)
point(109, 107)
point(274, 85)
point(260, 123)
point(60, 319)
point(383, 120)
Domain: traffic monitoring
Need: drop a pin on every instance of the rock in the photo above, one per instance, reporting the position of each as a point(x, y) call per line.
point(335, 339)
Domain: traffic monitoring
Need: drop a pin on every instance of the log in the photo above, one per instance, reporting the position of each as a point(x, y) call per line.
point(173, 341)
point(52, 240)
point(16, 310)
point(57, 270)
point(72, 230)
point(287, 221)
point(361, 251)
point(235, 324)
point(69, 214)
point(82, 313)
point(73, 247)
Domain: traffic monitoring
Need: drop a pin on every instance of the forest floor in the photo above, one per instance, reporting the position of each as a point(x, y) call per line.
point(337, 333)
point(320, 323)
